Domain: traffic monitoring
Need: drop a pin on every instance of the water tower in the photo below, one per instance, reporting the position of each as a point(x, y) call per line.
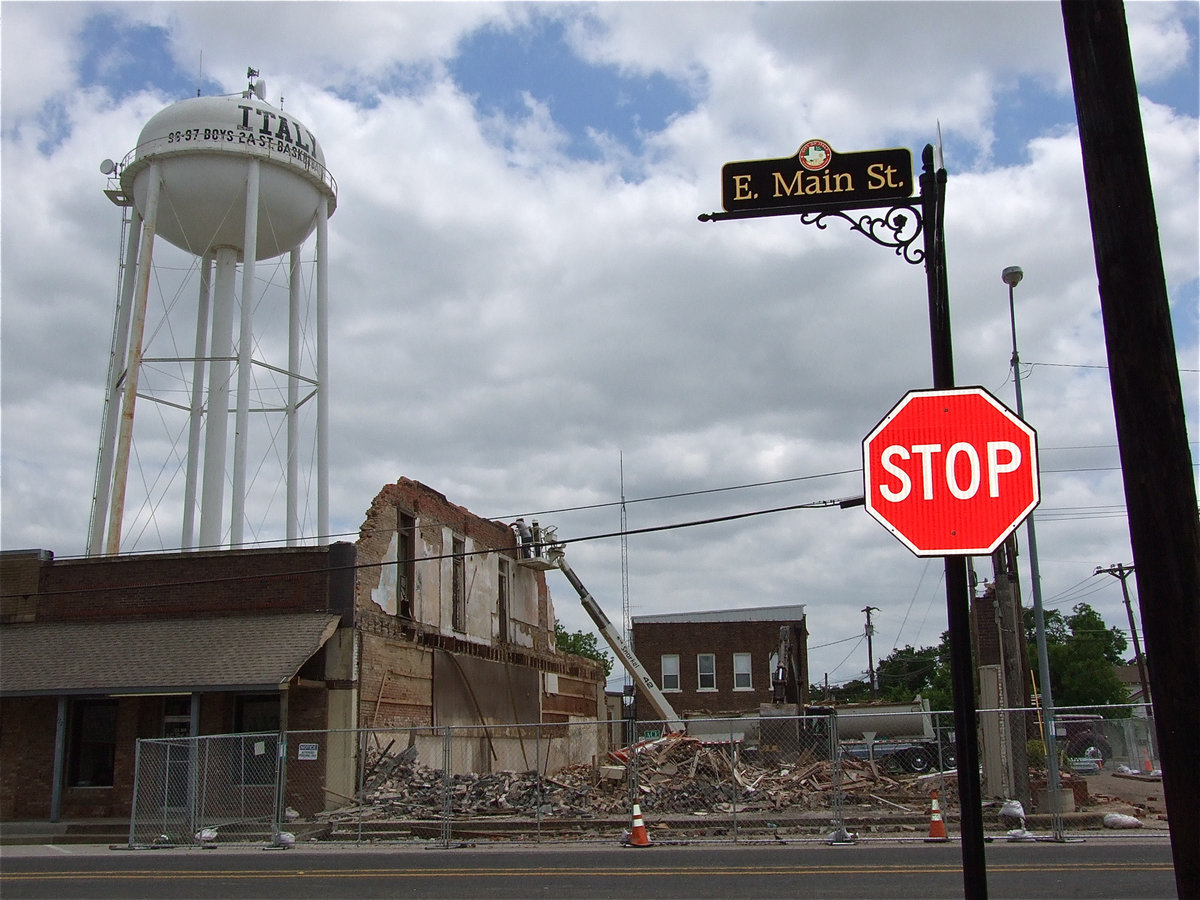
point(231, 181)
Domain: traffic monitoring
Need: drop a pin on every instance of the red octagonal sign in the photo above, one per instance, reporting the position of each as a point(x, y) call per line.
point(951, 473)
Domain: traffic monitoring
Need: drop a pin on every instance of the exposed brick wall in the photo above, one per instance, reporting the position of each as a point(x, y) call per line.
point(986, 628)
point(396, 652)
point(651, 640)
point(185, 585)
point(26, 756)
point(27, 749)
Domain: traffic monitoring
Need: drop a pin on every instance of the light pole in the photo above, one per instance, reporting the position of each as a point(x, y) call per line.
point(1012, 276)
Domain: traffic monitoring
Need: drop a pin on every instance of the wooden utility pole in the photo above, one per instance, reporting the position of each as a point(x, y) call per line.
point(1122, 571)
point(871, 652)
point(1160, 495)
point(1014, 662)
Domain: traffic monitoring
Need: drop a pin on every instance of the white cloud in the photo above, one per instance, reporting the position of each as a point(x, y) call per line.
point(508, 321)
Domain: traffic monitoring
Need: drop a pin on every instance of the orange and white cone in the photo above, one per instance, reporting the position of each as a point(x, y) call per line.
point(937, 828)
point(638, 836)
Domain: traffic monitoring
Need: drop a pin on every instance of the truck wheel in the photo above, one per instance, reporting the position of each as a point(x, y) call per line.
point(1091, 746)
point(916, 760)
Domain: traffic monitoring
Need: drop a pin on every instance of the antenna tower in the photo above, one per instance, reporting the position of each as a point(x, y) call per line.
point(626, 621)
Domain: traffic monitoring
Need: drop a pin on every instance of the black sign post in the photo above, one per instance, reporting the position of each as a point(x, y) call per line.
point(817, 184)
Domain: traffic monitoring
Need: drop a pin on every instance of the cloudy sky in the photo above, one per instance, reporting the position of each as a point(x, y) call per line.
point(524, 305)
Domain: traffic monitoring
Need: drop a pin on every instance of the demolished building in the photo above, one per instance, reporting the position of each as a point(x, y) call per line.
point(428, 621)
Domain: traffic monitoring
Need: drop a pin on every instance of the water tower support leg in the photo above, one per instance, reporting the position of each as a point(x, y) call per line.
point(112, 403)
point(133, 365)
point(241, 433)
point(216, 431)
point(293, 396)
point(196, 413)
point(322, 371)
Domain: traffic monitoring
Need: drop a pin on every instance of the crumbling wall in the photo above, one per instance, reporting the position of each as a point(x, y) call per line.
point(402, 682)
point(439, 522)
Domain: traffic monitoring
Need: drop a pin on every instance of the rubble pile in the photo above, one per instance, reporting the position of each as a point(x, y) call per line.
point(676, 774)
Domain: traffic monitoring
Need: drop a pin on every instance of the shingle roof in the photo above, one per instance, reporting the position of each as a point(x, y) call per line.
point(184, 655)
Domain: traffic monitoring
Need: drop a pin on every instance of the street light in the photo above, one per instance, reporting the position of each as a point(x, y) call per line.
point(1012, 276)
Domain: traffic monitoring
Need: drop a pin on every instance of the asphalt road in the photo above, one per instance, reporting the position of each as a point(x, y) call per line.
point(1124, 867)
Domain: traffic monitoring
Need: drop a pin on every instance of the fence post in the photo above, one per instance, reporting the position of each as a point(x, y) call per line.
point(447, 786)
point(734, 793)
point(137, 771)
point(635, 775)
point(539, 784)
point(280, 789)
point(360, 782)
point(840, 835)
point(202, 774)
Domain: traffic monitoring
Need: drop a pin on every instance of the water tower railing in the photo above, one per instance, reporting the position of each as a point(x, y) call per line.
point(169, 146)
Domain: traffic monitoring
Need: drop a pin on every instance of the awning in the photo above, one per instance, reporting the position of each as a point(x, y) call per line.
point(231, 653)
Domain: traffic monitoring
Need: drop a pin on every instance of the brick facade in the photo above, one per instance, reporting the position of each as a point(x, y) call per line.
point(721, 635)
point(180, 585)
point(151, 587)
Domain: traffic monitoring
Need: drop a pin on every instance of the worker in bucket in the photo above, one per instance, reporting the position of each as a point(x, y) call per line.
point(525, 533)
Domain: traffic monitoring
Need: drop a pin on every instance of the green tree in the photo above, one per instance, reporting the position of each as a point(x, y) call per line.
point(582, 643)
point(1081, 651)
point(906, 672)
point(940, 692)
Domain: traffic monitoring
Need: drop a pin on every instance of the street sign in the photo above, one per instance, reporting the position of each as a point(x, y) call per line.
point(816, 177)
point(951, 473)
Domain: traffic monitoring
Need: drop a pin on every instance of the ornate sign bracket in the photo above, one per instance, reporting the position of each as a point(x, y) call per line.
point(896, 226)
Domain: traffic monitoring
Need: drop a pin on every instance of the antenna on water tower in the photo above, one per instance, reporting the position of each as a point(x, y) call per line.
point(205, 171)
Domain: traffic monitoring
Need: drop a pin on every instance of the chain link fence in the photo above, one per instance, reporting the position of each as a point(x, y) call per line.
point(830, 776)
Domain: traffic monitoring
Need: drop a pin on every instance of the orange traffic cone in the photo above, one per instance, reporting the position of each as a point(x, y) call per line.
point(937, 828)
point(638, 837)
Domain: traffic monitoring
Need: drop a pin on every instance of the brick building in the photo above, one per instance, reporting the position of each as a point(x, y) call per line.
point(429, 620)
point(96, 653)
point(716, 664)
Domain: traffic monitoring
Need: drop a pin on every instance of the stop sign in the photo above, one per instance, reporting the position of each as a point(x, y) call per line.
point(951, 473)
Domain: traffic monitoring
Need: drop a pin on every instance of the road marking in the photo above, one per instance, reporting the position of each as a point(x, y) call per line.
point(572, 872)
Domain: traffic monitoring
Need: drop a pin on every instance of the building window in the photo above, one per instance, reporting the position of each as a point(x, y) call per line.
point(406, 564)
point(502, 588)
point(93, 743)
point(670, 672)
point(706, 672)
point(741, 672)
point(458, 586)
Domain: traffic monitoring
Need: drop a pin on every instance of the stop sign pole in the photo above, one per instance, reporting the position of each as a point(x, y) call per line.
point(896, 231)
point(958, 586)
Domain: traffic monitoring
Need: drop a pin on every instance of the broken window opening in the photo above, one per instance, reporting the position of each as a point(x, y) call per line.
point(458, 611)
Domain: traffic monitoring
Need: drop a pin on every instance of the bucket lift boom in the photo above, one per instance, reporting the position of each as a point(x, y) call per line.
point(555, 557)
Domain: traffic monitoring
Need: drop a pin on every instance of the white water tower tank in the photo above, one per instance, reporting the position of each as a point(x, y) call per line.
point(202, 146)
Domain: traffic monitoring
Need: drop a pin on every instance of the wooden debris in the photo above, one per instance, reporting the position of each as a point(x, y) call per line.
point(676, 774)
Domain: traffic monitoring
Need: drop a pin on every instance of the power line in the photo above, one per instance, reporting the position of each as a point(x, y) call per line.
point(694, 523)
point(1033, 365)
